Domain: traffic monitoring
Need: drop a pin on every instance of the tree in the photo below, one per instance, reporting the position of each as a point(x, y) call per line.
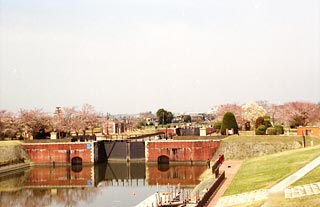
point(187, 118)
point(300, 113)
point(34, 121)
point(259, 121)
point(8, 124)
point(89, 117)
point(164, 117)
point(261, 130)
point(252, 111)
point(229, 122)
point(234, 108)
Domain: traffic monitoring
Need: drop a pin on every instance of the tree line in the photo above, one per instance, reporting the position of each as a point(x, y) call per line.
point(258, 115)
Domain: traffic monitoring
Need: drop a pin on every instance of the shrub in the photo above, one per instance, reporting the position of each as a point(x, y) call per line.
point(217, 125)
point(271, 131)
point(229, 122)
point(259, 121)
point(261, 130)
point(279, 129)
point(266, 121)
point(187, 119)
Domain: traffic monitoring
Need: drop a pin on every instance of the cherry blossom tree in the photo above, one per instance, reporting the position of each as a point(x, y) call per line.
point(300, 113)
point(8, 124)
point(34, 121)
point(89, 117)
point(233, 108)
point(252, 111)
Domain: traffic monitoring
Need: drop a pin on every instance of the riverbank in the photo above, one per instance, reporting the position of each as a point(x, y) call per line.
point(5, 170)
point(13, 157)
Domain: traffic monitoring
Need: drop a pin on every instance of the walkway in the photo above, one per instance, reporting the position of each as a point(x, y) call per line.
point(230, 173)
point(279, 190)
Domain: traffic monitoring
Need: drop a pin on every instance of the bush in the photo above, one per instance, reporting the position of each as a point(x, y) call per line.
point(187, 119)
point(271, 131)
point(259, 121)
point(279, 129)
point(266, 121)
point(261, 130)
point(217, 125)
point(229, 122)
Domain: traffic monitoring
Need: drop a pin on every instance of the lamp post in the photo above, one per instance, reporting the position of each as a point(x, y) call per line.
point(58, 112)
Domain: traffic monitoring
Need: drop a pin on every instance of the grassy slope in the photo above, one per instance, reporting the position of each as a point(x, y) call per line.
point(263, 172)
point(310, 201)
point(311, 177)
point(272, 138)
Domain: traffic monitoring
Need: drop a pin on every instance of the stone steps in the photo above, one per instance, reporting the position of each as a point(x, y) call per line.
point(294, 192)
point(242, 198)
point(303, 190)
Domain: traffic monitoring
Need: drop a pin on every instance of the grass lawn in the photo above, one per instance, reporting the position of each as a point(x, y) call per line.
point(9, 143)
point(311, 177)
point(310, 201)
point(265, 171)
point(272, 138)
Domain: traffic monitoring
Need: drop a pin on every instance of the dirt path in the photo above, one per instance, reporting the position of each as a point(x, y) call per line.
point(230, 173)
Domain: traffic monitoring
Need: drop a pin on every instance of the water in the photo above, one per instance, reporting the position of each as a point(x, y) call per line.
point(112, 184)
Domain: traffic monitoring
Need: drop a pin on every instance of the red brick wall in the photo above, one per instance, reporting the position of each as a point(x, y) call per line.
point(308, 130)
point(184, 151)
point(57, 152)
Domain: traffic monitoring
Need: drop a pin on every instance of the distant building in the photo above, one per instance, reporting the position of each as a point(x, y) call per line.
point(113, 127)
point(308, 131)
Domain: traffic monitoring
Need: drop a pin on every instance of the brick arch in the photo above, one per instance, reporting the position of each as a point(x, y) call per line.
point(76, 161)
point(163, 159)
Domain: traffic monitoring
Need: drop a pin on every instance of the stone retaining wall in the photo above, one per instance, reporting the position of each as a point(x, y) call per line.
point(242, 150)
point(12, 154)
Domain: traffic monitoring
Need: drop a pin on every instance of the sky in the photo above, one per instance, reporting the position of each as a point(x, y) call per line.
point(132, 56)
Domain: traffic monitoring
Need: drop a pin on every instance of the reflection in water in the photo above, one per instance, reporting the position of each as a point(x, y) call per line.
point(106, 184)
point(163, 167)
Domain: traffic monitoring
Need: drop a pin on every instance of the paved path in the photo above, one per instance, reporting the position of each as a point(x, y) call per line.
point(278, 191)
point(230, 173)
point(295, 176)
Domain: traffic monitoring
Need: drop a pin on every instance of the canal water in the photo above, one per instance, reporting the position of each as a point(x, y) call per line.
point(107, 184)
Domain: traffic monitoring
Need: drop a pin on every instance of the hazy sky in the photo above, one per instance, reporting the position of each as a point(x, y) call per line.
point(130, 56)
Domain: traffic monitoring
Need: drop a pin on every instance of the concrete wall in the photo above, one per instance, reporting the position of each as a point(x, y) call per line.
point(181, 150)
point(59, 153)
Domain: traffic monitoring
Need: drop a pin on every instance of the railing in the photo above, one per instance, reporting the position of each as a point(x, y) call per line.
point(214, 187)
point(206, 197)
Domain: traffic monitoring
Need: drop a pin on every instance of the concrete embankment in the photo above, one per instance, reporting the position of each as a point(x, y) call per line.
point(12, 156)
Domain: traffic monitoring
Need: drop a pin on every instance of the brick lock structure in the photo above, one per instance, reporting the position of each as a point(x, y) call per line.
point(180, 150)
point(308, 131)
point(60, 153)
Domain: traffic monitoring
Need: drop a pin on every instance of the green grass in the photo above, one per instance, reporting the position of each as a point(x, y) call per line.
point(9, 143)
point(272, 138)
point(311, 177)
point(265, 171)
point(310, 201)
